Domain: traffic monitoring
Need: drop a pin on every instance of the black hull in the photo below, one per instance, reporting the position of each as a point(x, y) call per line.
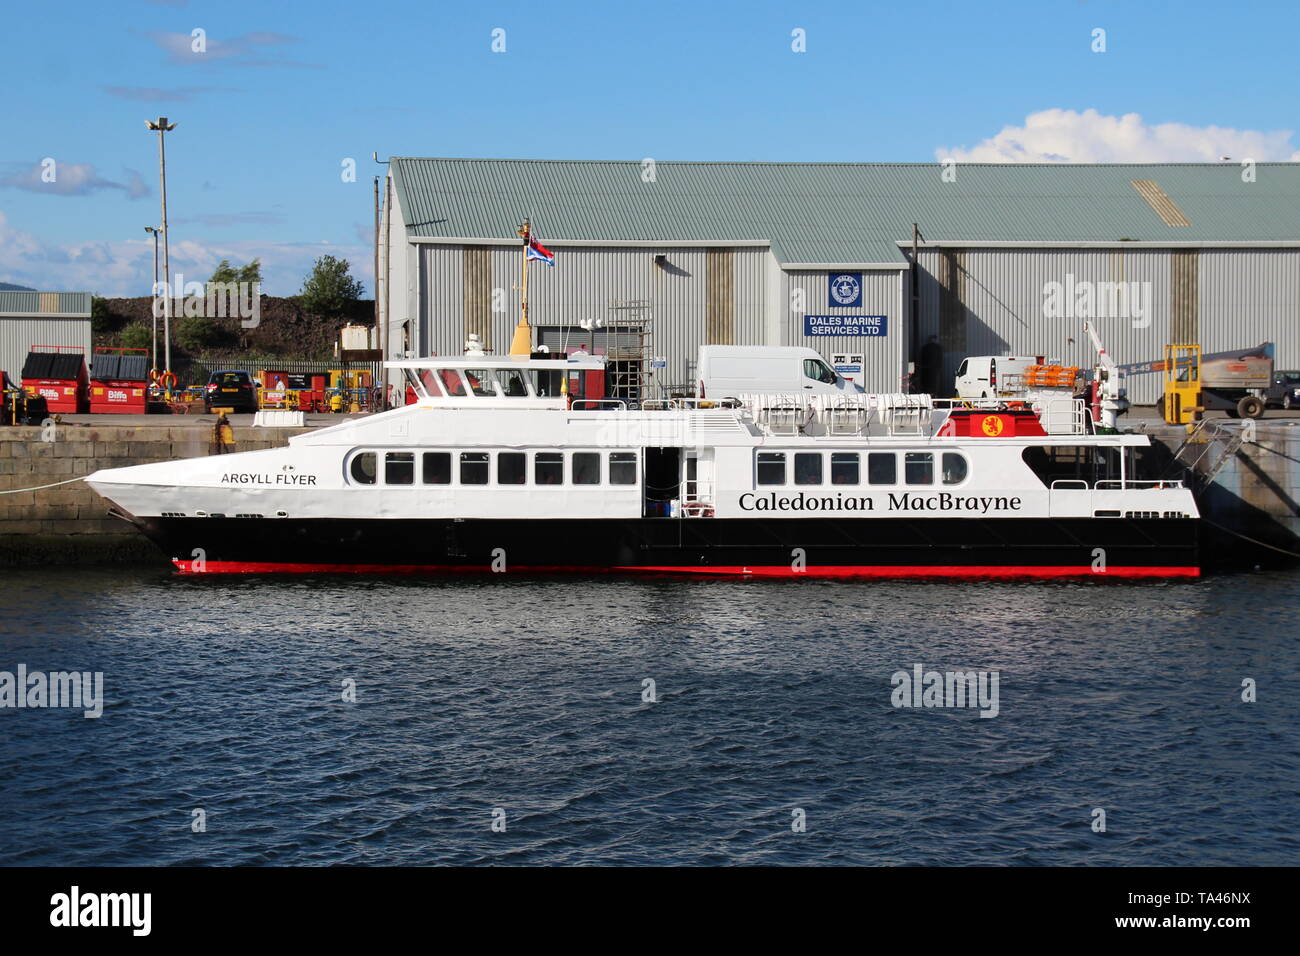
point(814, 547)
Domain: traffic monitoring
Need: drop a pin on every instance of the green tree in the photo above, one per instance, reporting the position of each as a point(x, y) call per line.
point(251, 272)
point(329, 290)
point(102, 318)
point(137, 336)
point(225, 272)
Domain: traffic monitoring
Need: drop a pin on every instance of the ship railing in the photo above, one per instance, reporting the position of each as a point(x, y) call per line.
point(697, 501)
point(1062, 416)
point(597, 404)
point(840, 415)
point(1131, 484)
point(669, 404)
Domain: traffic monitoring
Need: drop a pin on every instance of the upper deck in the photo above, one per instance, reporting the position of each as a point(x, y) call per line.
point(574, 385)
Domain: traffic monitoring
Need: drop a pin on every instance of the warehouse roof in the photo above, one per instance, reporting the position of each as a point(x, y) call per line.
point(13, 302)
point(843, 213)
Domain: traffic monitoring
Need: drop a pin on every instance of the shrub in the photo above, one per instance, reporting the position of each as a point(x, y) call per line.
point(137, 336)
point(197, 333)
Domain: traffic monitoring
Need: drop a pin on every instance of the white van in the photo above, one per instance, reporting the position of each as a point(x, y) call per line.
point(991, 376)
point(728, 370)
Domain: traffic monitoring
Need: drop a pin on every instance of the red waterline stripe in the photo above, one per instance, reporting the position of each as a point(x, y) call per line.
point(777, 571)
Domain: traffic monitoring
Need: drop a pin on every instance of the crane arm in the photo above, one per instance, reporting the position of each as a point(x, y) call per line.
point(1103, 357)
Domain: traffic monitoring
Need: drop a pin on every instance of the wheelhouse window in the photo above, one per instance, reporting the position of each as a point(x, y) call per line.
point(622, 468)
point(844, 468)
point(548, 468)
point(512, 468)
point(771, 468)
point(586, 468)
point(399, 468)
point(918, 467)
point(954, 468)
point(452, 383)
point(435, 468)
point(473, 468)
point(482, 382)
point(808, 468)
point(516, 386)
point(882, 468)
point(363, 468)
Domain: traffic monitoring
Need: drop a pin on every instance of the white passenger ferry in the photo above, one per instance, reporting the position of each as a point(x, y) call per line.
point(501, 463)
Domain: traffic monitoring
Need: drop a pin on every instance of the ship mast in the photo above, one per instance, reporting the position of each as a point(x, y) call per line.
point(523, 340)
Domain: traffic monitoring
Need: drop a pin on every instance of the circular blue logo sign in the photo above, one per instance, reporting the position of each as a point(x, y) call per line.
point(846, 289)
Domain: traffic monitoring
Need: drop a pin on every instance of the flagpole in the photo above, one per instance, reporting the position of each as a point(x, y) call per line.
point(523, 340)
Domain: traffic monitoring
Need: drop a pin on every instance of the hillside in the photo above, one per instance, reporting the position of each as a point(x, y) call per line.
point(286, 330)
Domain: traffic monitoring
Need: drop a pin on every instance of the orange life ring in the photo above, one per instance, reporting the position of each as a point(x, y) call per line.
point(169, 380)
point(154, 375)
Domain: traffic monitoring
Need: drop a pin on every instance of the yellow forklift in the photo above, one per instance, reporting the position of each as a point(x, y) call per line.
point(1235, 382)
point(1181, 403)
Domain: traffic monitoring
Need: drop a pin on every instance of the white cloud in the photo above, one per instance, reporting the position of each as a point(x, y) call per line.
point(259, 48)
point(69, 179)
point(1067, 136)
point(124, 267)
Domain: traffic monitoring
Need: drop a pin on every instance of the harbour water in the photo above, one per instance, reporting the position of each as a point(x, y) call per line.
point(524, 703)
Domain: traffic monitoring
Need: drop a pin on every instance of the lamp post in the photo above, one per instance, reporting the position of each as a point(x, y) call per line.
point(153, 351)
point(163, 127)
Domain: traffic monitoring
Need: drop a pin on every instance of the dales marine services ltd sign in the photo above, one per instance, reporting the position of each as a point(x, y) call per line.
point(873, 325)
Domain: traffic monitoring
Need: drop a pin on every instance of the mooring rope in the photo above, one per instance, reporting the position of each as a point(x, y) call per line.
point(16, 491)
point(1244, 537)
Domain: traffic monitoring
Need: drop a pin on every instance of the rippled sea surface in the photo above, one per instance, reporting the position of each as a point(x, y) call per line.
point(527, 696)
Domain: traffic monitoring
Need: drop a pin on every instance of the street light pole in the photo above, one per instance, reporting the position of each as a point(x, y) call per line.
point(153, 351)
point(162, 126)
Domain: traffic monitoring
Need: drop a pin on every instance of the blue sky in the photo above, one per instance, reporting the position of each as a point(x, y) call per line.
point(286, 91)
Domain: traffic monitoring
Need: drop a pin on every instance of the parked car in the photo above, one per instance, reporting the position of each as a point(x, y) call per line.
point(1284, 392)
point(230, 389)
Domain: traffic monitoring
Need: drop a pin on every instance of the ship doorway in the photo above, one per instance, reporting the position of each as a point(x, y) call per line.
point(663, 481)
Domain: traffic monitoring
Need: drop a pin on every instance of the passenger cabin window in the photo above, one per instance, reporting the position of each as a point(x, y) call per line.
point(844, 468)
point(363, 468)
point(622, 468)
point(882, 468)
point(473, 468)
point(436, 468)
point(954, 468)
point(399, 468)
point(586, 468)
point(548, 468)
point(808, 468)
point(771, 468)
point(918, 467)
point(961, 369)
point(512, 468)
point(818, 371)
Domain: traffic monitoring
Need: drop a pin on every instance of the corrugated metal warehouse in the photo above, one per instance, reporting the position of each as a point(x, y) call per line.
point(41, 318)
point(1009, 259)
